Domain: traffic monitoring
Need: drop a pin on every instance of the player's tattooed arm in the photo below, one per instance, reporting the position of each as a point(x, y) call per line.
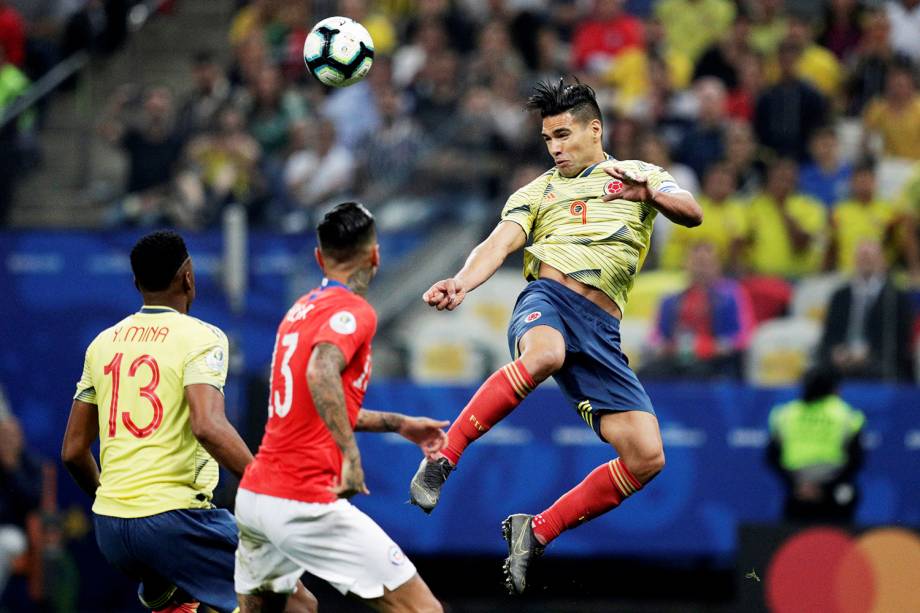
point(378, 421)
point(76, 452)
point(324, 379)
point(423, 431)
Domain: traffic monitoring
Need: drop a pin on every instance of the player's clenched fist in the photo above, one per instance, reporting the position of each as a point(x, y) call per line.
point(446, 294)
point(633, 186)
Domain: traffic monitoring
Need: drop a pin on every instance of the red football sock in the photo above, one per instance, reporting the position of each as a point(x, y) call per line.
point(497, 397)
point(603, 489)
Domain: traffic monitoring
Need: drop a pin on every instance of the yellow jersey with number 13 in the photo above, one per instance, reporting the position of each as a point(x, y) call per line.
point(570, 227)
point(135, 373)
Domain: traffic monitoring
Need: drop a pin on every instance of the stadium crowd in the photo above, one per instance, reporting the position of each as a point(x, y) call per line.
point(797, 124)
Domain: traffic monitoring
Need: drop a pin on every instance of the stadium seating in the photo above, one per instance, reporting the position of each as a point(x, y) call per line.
point(811, 296)
point(781, 350)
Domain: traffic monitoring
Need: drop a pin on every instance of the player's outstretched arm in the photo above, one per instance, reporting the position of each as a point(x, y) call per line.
point(425, 432)
point(211, 428)
point(680, 207)
point(481, 264)
point(76, 453)
point(324, 378)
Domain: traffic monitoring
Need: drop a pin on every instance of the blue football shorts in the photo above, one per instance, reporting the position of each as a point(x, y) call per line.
point(596, 377)
point(189, 549)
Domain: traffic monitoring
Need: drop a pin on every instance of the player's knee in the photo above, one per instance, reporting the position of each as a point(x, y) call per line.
point(645, 463)
point(543, 361)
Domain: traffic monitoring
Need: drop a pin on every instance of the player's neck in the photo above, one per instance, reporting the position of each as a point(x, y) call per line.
point(356, 280)
point(599, 157)
point(175, 302)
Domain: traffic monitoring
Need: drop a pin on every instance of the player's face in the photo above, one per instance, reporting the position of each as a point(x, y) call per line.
point(573, 144)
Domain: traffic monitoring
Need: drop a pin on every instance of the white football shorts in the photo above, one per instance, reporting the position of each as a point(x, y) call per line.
point(281, 538)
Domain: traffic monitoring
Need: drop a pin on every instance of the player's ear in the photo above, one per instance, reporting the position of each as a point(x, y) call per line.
point(319, 258)
point(596, 128)
point(375, 256)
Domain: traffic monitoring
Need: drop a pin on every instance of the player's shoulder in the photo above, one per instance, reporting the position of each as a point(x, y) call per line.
point(200, 330)
point(538, 183)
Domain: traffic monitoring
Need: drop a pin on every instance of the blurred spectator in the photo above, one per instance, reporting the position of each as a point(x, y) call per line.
point(322, 170)
point(742, 155)
point(12, 85)
point(409, 60)
point(552, 56)
point(769, 27)
point(437, 91)
point(785, 228)
point(895, 117)
point(272, 110)
point(816, 64)
point(842, 32)
point(153, 146)
point(724, 223)
point(390, 155)
point(223, 170)
point(494, 53)
point(693, 25)
point(702, 330)
point(704, 143)
point(868, 66)
point(353, 109)
point(99, 26)
point(635, 69)
point(788, 112)
point(296, 22)
point(211, 91)
point(904, 16)
point(472, 157)
point(257, 17)
point(720, 59)
point(868, 323)
point(816, 449)
point(606, 33)
point(864, 217)
point(742, 100)
point(44, 21)
point(826, 177)
point(20, 492)
point(12, 34)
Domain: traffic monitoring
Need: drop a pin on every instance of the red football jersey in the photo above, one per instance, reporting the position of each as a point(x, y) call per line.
point(298, 458)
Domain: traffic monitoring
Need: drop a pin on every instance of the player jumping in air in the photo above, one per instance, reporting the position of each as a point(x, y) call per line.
point(152, 392)
point(587, 223)
point(291, 506)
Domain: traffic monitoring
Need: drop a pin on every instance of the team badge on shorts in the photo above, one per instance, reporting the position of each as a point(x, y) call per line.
point(532, 317)
point(397, 557)
point(613, 187)
point(343, 322)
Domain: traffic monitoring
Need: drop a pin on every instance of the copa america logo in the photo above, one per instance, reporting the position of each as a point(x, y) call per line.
point(613, 187)
point(532, 317)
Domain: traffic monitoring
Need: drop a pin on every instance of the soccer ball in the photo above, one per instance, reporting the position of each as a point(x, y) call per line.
point(338, 51)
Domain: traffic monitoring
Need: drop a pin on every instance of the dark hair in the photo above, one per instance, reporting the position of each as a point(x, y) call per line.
point(555, 99)
point(156, 258)
point(344, 230)
point(820, 382)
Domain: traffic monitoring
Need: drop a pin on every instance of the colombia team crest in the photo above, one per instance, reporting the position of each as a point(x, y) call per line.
point(613, 187)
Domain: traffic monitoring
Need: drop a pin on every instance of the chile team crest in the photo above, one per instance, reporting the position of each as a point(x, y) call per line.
point(613, 187)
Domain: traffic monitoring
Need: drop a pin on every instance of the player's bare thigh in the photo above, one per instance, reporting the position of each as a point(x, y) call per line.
point(542, 351)
point(413, 596)
point(637, 439)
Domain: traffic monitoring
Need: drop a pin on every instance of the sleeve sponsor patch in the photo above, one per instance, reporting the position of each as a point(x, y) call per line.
point(215, 359)
point(343, 322)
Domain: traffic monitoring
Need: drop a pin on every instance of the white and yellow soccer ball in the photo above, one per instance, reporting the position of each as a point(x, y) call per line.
point(338, 51)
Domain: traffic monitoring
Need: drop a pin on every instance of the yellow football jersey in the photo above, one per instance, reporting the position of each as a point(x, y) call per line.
point(569, 226)
point(135, 373)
